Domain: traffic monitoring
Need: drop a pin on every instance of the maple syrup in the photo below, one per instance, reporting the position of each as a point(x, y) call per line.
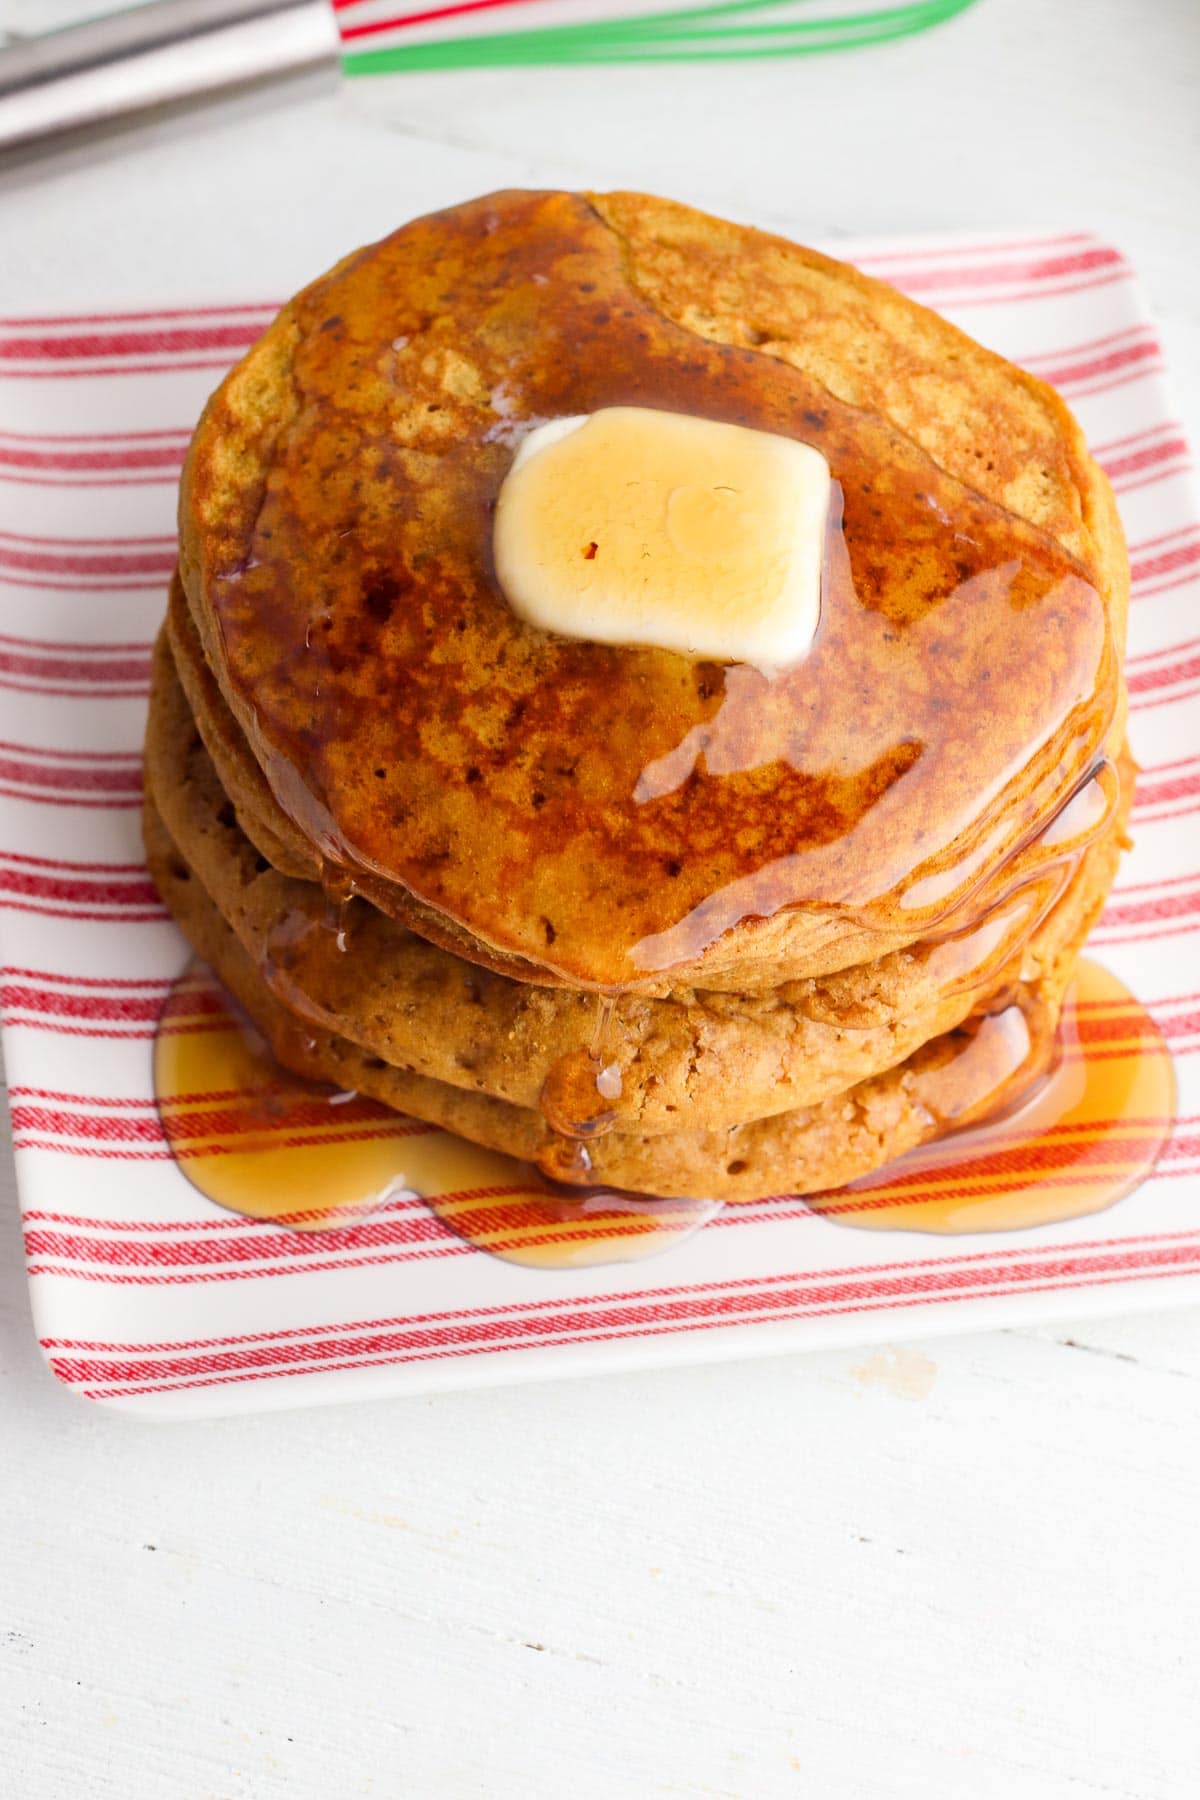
point(1090, 1132)
point(577, 1095)
point(262, 1142)
point(265, 1143)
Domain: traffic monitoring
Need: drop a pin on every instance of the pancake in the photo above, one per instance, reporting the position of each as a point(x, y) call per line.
point(277, 838)
point(707, 1058)
point(627, 819)
point(680, 926)
point(949, 1082)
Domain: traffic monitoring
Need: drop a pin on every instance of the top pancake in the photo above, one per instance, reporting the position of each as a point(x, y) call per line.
point(605, 814)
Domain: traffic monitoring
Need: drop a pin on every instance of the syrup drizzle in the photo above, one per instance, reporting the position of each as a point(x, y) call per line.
point(262, 1142)
point(1087, 1136)
point(577, 1094)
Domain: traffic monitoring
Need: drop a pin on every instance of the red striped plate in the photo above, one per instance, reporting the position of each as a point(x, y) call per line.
point(145, 1297)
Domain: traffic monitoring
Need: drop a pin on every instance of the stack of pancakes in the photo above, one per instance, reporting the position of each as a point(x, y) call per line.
point(680, 927)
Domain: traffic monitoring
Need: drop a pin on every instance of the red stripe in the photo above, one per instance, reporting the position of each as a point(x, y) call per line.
point(416, 1229)
point(1034, 359)
point(18, 882)
point(90, 669)
point(83, 984)
point(48, 753)
point(102, 778)
point(97, 481)
point(429, 1252)
point(953, 249)
point(277, 1248)
point(1146, 656)
point(1148, 680)
point(144, 456)
point(804, 1299)
point(111, 804)
point(1149, 935)
point(959, 303)
point(1178, 762)
point(41, 562)
point(664, 1331)
point(1190, 530)
point(133, 1132)
point(188, 1121)
point(1161, 793)
point(63, 887)
point(1183, 693)
point(73, 543)
point(1091, 391)
point(1181, 1150)
point(139, 1102)
point(1131, 460)
point(603, 1337)
point(551, 1304)
point(1157, 886)
point(1161, 906)
point(81, 1006)
point(93, 437)
point(112, 917)
point(1165, 587)
point(59, 691)
point(90, 646)
point(1169, 450)
point(1117, 358)
point(1182, 556)
point(125, 585)
point(1166, 816)
point(66, 371)
point(1028, 272)
point(58, 862)
point(268, 307)
point(1169, 474)
point(75, 346)
point(32, 1022)
point(1136, 437)
point(482, 1335)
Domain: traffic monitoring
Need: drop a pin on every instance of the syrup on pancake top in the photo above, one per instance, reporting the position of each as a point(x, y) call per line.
point(604, 812)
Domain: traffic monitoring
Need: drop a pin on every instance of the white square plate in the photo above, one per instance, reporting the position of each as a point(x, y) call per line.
point(147, 1298)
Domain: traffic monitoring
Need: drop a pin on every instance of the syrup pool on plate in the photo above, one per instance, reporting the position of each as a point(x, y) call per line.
point(1088, 1134)
point(262, 1142)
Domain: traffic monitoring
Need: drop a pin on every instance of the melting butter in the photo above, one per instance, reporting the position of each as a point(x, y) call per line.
point(635, 526)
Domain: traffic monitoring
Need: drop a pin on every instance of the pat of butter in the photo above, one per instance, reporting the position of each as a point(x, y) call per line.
point(635, 526)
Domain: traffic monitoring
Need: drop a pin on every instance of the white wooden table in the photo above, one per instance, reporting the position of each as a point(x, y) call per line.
point(964, 1571)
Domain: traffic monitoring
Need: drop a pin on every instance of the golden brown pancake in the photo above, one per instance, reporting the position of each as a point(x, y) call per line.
point(949, 1082)
point(834, 907)
point(284, 846)
point(623, 818)
point(709, 1059)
